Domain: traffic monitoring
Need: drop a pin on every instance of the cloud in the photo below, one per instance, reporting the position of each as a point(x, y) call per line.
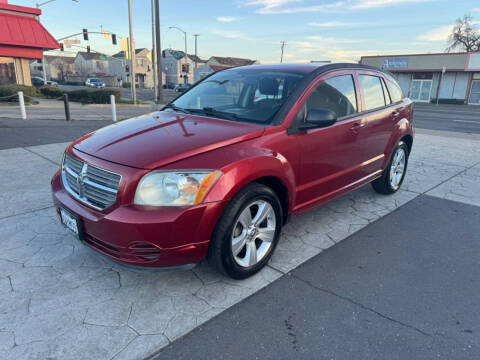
point(333, 24)
point(331, 40)
point(437, 34)
point(369, 4)
point(298, 6)
point(233, 35)
point(226, 19)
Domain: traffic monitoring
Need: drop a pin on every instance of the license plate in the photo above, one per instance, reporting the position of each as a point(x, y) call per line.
point(69, 221)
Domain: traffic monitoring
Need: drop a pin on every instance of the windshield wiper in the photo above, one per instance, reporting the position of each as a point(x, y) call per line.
point(217, 113)
point(176, 108)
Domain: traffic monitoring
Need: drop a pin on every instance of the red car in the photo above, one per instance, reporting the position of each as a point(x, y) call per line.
point(218, 171)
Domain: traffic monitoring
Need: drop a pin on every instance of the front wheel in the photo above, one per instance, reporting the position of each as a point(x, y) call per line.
point(393, 176)
point(247, 232)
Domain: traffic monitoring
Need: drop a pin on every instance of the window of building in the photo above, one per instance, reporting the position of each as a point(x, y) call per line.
point(336, 94)
point(7, 71)
point(372, 92)
point(422, 76)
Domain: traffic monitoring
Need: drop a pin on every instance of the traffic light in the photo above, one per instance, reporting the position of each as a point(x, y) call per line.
point(184, 68)
point(88, 48)
point(85, 34)
point(62, 47)
point(114, 39)
point(127, 68)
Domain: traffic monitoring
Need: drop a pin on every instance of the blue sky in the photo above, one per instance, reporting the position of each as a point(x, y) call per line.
point(337, 30)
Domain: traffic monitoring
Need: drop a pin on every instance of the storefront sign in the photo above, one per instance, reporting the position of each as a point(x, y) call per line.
point(395, 63)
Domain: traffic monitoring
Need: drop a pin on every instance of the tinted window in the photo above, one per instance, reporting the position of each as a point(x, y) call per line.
point(385, 93)
point(336, 94)
point(395, 91)
point(372, 91)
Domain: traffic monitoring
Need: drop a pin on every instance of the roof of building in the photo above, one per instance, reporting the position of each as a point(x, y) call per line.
point(232, 61)
point(20, 9)
point(179, 54)
point(91, 56)
point(121, 54)
point(24, 31)
point(219, 67)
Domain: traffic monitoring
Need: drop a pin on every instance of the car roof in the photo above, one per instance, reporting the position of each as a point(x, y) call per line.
point(307, 68)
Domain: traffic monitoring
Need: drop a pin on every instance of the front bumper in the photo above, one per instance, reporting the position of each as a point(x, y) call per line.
point(141, 236)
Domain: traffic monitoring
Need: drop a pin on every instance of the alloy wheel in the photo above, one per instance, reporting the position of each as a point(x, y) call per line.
point(397, 168)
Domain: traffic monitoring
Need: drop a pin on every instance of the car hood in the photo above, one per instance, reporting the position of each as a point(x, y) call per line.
point(160, 138)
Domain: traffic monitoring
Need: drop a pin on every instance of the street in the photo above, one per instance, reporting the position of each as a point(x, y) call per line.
point(459, 118)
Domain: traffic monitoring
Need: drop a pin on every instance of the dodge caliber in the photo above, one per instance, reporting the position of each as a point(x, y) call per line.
point(217, 172)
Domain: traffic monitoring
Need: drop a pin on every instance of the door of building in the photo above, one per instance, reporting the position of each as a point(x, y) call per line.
point(421, 90)
point(475, 93)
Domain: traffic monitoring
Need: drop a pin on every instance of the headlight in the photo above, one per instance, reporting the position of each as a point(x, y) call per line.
point(177, 188)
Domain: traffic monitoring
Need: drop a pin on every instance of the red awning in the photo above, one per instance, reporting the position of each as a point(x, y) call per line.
point(19, 32)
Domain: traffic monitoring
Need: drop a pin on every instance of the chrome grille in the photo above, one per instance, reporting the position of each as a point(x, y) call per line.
point(89, 184)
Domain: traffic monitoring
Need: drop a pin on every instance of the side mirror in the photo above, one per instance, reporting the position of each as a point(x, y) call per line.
point(318, 118)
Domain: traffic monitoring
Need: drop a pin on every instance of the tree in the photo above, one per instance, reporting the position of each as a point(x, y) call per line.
point(465, 35)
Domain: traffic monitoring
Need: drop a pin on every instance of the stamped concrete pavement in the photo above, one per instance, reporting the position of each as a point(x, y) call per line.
point(62, 300)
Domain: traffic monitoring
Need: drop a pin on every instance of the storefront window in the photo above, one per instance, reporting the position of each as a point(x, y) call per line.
point(7, 71)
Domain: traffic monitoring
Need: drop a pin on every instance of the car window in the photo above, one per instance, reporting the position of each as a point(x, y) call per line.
point(386, 94)
point(336, 94)
point(372, 91)
point(395, 91)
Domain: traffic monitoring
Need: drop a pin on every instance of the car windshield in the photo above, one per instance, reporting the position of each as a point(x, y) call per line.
point(248, 95)
point(94, 80)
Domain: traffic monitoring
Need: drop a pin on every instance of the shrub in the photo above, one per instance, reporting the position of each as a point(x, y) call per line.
point(75, 83)
point(93, 96)
point(9, 90)
point(51, 92)
point(448, 101)
point(126, 85)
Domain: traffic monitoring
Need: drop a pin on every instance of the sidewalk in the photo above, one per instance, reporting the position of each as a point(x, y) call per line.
point(62, 300)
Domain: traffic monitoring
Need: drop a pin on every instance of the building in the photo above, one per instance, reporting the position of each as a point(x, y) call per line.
point(22, 38)
point(217, 63)
point(57, 68)
point(88, 64)
point(143, 67)
point(172, 64)
point(426, 77)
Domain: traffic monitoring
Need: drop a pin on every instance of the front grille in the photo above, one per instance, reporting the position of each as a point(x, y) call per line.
point(89, 184)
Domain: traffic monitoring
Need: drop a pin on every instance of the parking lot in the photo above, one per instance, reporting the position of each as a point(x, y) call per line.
point(62, 300)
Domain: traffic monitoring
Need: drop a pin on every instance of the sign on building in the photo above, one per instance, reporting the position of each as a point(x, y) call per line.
point(395, 63)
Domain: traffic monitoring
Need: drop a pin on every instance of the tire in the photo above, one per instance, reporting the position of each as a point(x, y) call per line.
point(226, 252)
point(387, 184)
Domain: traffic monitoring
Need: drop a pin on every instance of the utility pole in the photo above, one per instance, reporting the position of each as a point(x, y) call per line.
point(159, 53)
point(283, 47)
point(132, 54)
point(196, 56)
point(154, 66)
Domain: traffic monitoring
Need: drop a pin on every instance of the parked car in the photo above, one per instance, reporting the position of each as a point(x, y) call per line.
point(217, 173)
point(37, 81)
point(94, 83)
point(169, 86)
point(52, 83)
point(182, 87)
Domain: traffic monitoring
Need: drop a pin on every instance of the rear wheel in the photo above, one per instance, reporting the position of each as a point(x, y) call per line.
point(247, 232)
point(393, 176)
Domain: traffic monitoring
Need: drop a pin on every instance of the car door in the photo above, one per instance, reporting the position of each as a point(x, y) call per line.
point(332, 157)
point(378, 120)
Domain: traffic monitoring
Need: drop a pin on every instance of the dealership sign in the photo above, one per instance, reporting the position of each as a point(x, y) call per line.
point(395, 63)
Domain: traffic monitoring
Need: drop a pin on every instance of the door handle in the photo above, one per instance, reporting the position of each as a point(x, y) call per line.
point(357, 126)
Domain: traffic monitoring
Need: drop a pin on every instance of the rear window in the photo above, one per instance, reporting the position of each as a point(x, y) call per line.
point(372, 92)
point(395, 91)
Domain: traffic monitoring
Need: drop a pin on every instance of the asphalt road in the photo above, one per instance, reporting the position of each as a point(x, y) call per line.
point(464, 119)
point(404, 287)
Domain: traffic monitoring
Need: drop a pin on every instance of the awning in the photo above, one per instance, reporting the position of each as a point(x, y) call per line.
point(24, 36)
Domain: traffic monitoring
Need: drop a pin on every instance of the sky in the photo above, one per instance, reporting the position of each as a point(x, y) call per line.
point(335, 30)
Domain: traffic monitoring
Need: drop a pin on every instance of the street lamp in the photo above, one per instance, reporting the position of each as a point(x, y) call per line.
point(185, 35)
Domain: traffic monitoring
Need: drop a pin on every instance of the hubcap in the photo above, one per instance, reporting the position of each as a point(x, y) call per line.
point(397, 168)
point(253, 233)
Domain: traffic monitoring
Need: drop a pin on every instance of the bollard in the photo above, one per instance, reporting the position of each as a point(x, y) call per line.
point(114, 109)
point(67, 107)
point(21, 101)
